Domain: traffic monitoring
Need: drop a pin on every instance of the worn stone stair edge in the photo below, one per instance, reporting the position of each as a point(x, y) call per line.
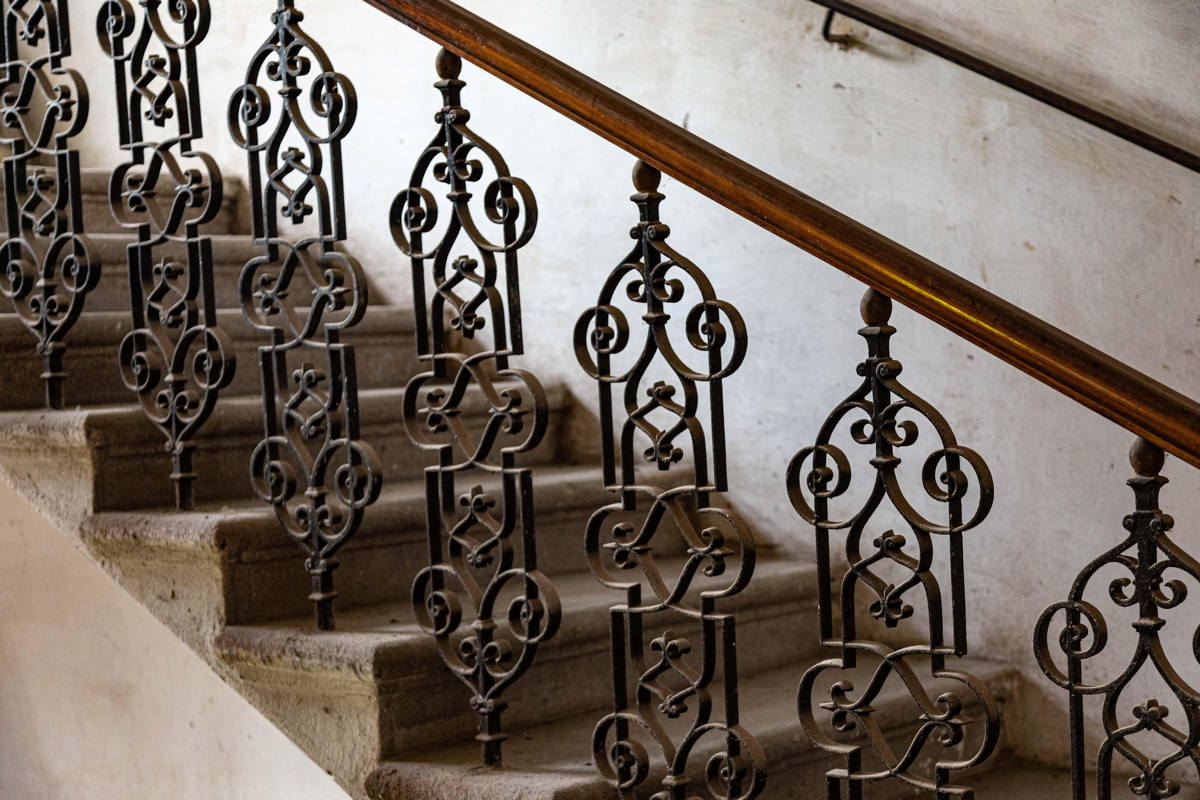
point(379, 654)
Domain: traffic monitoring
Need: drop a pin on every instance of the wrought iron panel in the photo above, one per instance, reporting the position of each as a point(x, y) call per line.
point(48, 264)
point(1145, 573)
point(482, 597)
point(175, 359)
point(303, 292)
point(667, 543)
point(891, 577)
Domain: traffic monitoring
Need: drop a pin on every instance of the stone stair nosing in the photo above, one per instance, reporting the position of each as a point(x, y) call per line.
point(127, 463)
point(381, 665)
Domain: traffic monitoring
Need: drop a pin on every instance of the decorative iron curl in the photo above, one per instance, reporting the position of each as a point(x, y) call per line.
point(1147, 552)
point(303, 292)
point(175, 359)
point(459, 300)
point(48, 265)
point(660, 424)
point(816, 477)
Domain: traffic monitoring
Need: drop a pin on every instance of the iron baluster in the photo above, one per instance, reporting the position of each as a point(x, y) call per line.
point(48, 263)
point(1149, 555)
point(658, 421)
point(482, 539)
point(311, 464)
point(175, 359)
point(822, 472)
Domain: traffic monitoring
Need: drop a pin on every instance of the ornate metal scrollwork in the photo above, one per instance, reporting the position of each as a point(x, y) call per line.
point(482, 596)
point(176, 358)
point(893, 574)
point(1151, 566)
point(311, 465)
point(666, 699)
point(48, 264)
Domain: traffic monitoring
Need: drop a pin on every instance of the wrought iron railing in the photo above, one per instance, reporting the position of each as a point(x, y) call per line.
point(673, 633)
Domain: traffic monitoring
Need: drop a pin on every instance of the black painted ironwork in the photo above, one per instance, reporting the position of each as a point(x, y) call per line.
point(889, 572)
point(311, 465)
point(1149, 567)
point(49, 266)
point(482, 596)
point(176, 358)
point(667, 699)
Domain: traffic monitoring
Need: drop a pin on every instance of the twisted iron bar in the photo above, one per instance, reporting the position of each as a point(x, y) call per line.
point(1149, 555)
point(175, 359)
point(822, 471)
point(474, 564)
point(48, 263)
point(311, 465)
point(654, 693)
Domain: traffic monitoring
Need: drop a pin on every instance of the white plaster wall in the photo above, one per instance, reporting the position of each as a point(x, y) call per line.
point(99, 700)
point(1074, 225)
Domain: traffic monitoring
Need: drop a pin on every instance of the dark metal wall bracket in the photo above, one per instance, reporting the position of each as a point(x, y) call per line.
point(1081, 111)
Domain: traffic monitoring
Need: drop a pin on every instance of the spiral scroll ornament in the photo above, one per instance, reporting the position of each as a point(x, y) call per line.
point(675, 695)
point(1155, 741)
point(49, 266)
point(482, 597)
point(891, 577)
point(311, 465)
point(175, 359)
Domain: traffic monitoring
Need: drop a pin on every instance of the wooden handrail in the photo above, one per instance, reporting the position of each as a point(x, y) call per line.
point(1109, 387)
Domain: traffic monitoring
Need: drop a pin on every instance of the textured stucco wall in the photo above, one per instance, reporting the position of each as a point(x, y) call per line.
point(1076, 226)
point(99, 700)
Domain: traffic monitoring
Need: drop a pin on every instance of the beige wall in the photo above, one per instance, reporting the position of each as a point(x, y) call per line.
point(98, 700)
point(1068, 222)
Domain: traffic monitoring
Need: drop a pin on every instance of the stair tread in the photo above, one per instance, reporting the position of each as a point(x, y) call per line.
point(208, 520)
point(369, 638)
point(554, 760)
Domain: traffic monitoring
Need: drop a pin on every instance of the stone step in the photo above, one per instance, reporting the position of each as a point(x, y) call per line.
point(385, 353)
point(233, 564)
point(230, 254)
point(554, 761)
point(120, 463)
point(378, 686)
point(98, 218)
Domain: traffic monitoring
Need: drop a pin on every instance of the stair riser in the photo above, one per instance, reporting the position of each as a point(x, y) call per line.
point(93, 376)
point(112, 293)
point(134, 476)
point(98, 216)
point(565, 681)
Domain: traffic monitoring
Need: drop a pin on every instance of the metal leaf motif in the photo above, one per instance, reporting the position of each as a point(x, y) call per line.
point(175, 359)
point(48, 266)
point(821, 473)
point(302, 293)
point(482, 596)
point(660, 425)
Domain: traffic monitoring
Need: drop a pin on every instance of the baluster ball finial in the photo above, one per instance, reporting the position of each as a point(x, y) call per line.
point(876, 308)
point(645, 177)
point(448, 65)
point(1146, 458)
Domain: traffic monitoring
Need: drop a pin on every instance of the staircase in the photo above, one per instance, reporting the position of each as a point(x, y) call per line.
point(372, 701)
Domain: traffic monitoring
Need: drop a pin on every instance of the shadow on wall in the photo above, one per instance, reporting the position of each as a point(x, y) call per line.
point(96, 693)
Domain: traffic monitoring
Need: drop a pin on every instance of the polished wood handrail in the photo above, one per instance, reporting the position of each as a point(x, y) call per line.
point(1109, 387)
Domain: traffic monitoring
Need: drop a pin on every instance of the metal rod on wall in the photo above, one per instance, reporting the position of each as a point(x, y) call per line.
point(1003, 76)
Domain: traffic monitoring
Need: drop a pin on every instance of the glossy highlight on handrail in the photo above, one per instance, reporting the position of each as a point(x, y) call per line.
point(1096, 380)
